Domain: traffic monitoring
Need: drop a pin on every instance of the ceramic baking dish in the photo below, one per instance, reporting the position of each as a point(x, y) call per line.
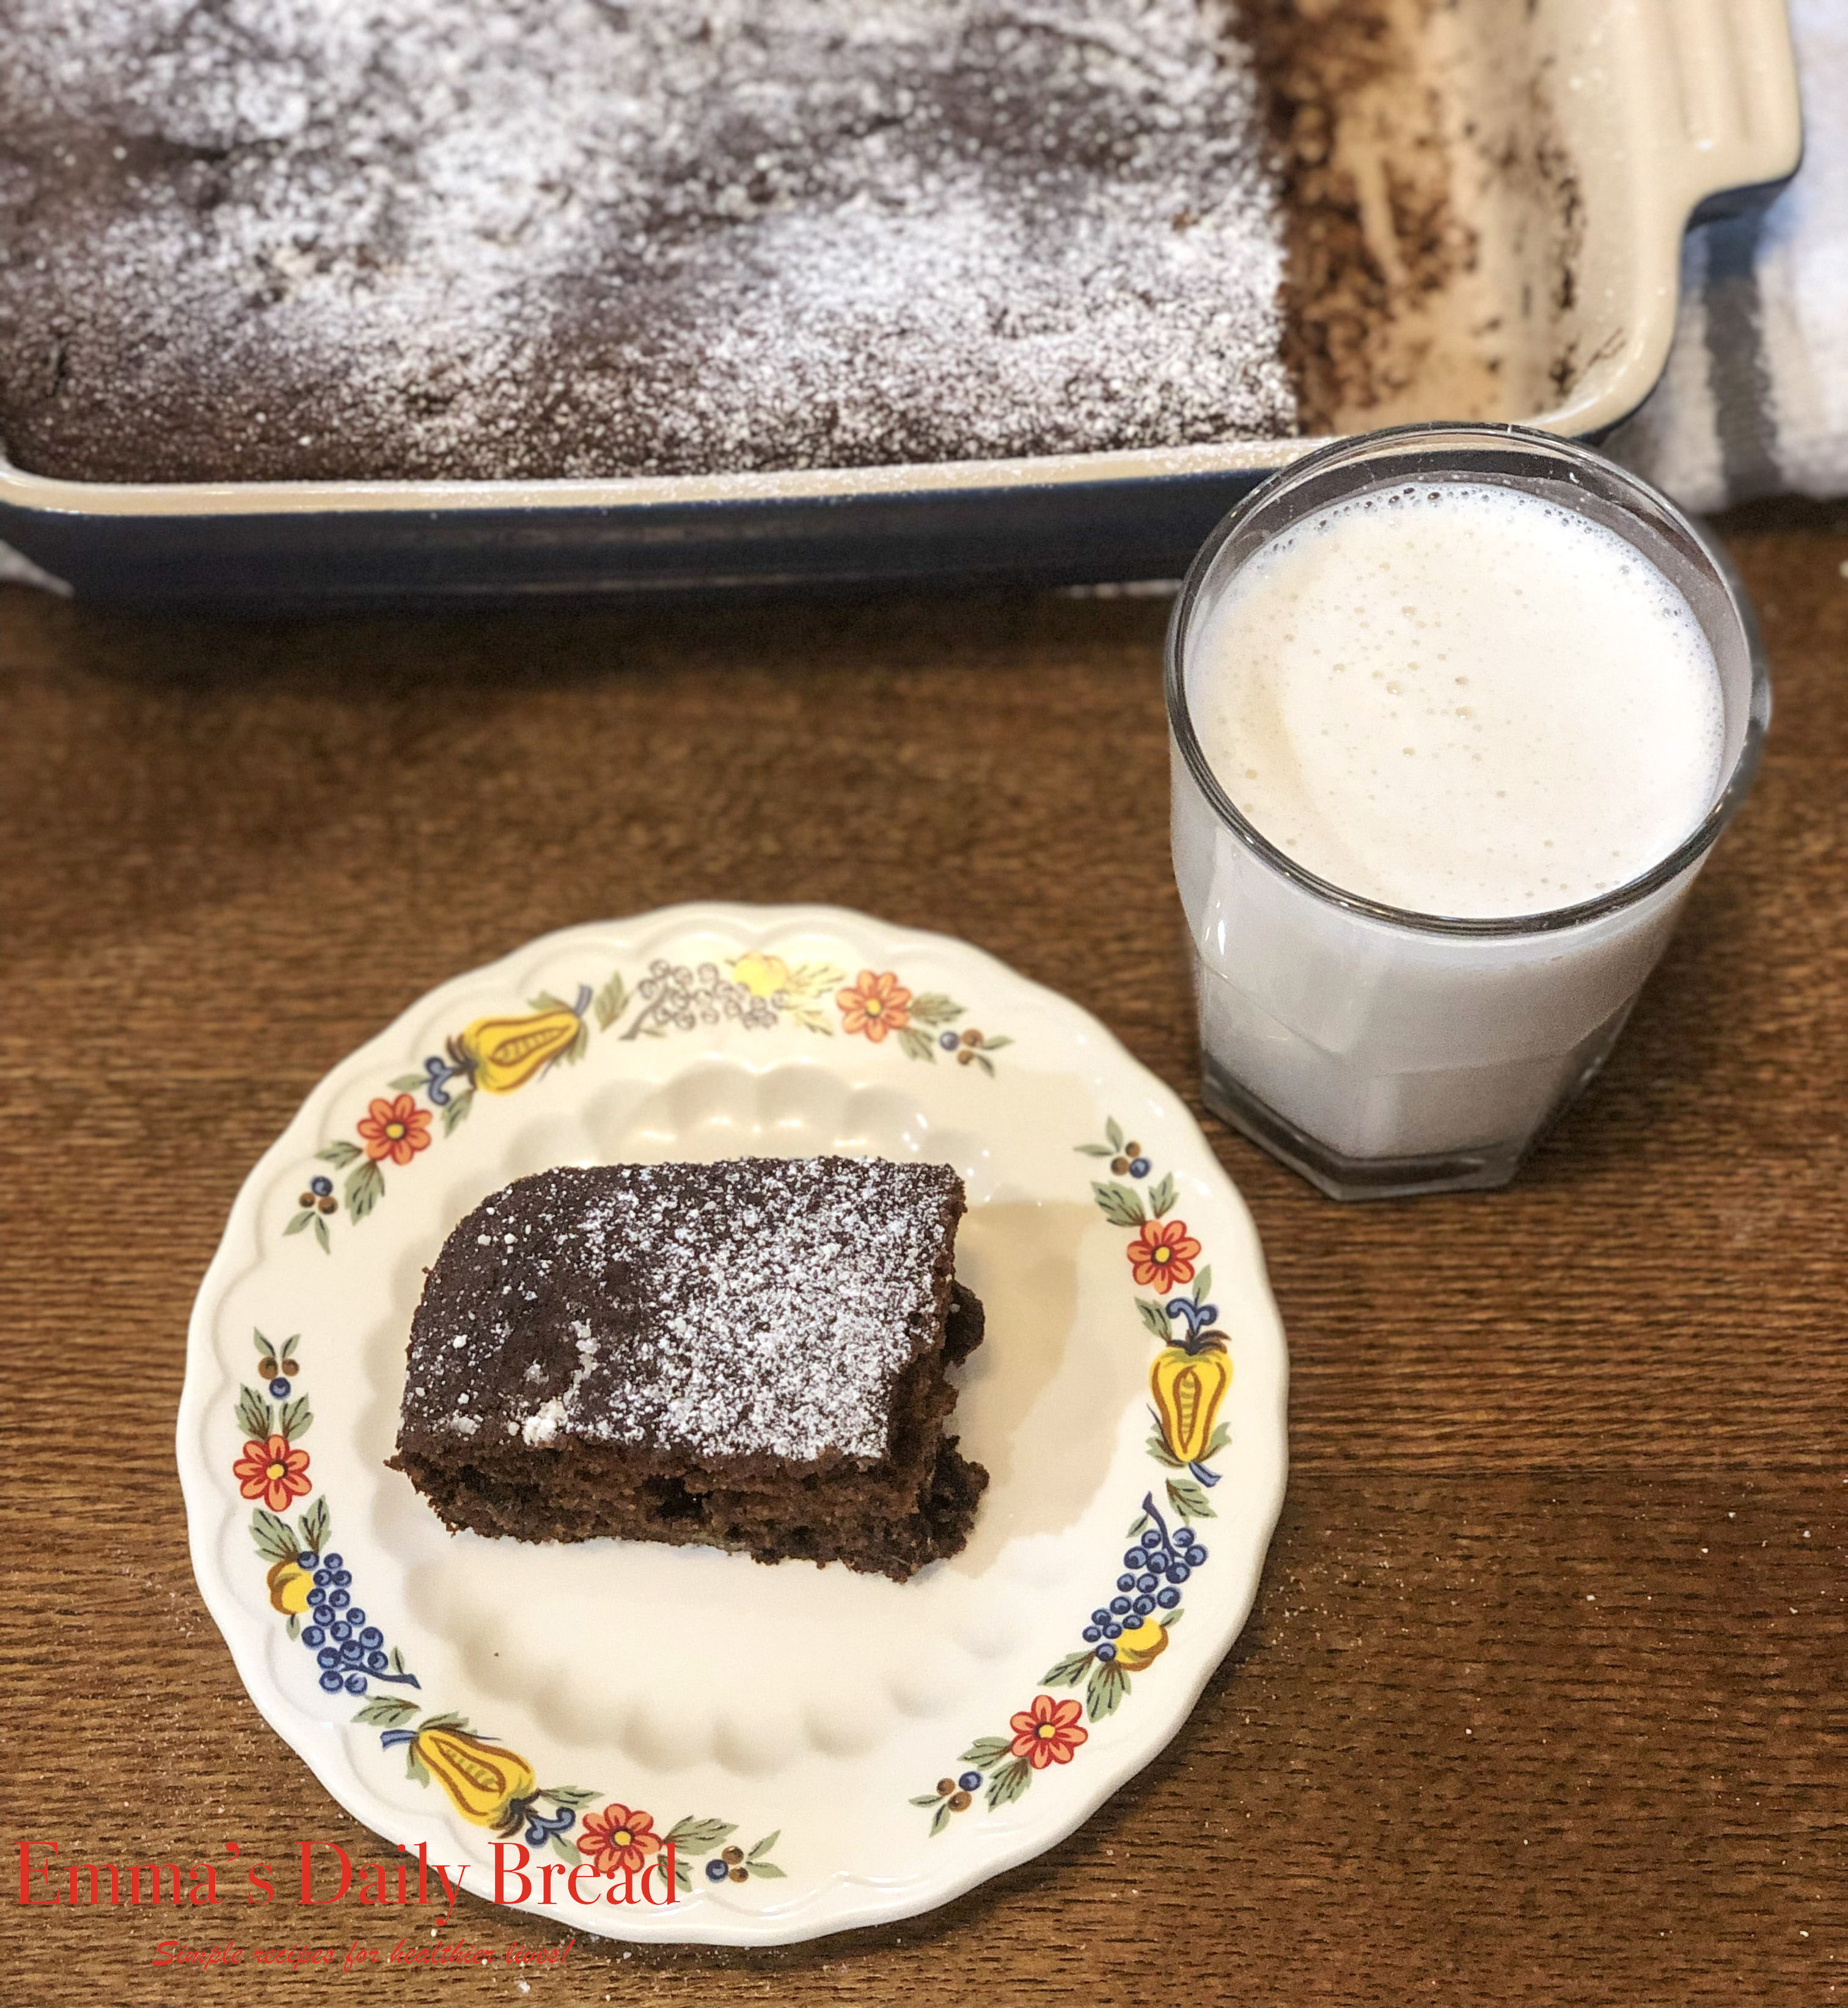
point(1567, 141)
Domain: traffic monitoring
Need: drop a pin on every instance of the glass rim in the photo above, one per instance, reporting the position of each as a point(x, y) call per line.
point(1573, 455)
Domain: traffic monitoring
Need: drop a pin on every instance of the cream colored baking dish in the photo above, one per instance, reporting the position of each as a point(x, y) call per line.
point(1570, 141)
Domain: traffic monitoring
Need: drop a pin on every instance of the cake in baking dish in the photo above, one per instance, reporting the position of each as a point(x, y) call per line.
point(261, 239)
point(747, 1355)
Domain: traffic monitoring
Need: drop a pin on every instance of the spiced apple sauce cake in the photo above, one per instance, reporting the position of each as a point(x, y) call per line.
point(748, 1354)
point(258, 239)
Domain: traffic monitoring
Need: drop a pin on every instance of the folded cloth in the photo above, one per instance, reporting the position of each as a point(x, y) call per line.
point(1754, 399)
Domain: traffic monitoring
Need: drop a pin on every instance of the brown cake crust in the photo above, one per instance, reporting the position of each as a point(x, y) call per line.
point(748, 1354)
point(524, 239)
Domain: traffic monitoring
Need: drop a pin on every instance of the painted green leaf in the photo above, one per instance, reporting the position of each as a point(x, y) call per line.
point(1159, 1450)
point(546, 1001)
point(1109, 1686)
point(1066, 1672)
point(928, 1799)
point(683, 1874)
point(765, 1868)
point(1172, 1619)
point(1008, 1783)
point(1114, 1130)
point(765, 1846)
point(1161, 1195)
point(918, 1046)
point(365, 1187)
point(338, 1154)
point(1203, 1282)
point(566, 1850)
point(1154, 1318)
point(456, 1109)
point(1189, 1498)
point(410, 1084)
point(574, 1796)
point(294, 1624)
point(698, 1836)
point(1001, 1039)
point(264, 1350)
point(579, 1045)
point(320, 1234)
point(301, 1220)
point(316, 1523)
point(295, 1417)
point(1137, 1524)
point(386, 1712)
point(985, 1751)
point(940, 1820)
point(275, 1537)
point(612, 1000)
point(254, 1413)
point(413, 1770)
point(1122, 1207)
point(983, 1061)
point(933, 1008)
point(1095, 1151)
point(1221, 1436)
point(449, 1720)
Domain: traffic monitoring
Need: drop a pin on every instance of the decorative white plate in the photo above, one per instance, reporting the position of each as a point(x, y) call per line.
point(824, 1749)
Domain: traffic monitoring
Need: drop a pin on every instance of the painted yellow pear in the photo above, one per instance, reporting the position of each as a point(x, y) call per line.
point(762, 975)
point(1139, 1644)
point(291, 1586)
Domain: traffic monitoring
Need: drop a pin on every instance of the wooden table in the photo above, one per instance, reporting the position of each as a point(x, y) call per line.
point(1543, 1697)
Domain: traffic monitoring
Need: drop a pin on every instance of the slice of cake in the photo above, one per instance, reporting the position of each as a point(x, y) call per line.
point(746, 1354)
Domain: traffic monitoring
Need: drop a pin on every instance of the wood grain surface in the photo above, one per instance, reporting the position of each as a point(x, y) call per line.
point(1543, 1697)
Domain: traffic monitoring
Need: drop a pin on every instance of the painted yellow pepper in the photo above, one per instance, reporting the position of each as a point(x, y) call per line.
point(481, 1779)
point(502, 1054)
point(1189, 1387)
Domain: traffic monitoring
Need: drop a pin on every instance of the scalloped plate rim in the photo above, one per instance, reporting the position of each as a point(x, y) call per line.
point(841, 1900)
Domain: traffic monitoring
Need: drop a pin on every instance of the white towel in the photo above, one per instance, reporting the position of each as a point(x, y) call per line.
point(1754, 399)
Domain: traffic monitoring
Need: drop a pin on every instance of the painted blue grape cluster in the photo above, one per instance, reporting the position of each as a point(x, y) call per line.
point(1153, 1572)
point(348, 1651)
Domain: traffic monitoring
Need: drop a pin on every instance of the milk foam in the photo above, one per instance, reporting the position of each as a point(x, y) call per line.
point(1460, 699)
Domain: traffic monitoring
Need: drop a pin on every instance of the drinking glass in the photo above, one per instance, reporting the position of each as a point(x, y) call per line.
point(1381, 1051)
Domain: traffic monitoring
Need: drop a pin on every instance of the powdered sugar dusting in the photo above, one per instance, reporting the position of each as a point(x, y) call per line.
point(580, 238)
point(757, 1307)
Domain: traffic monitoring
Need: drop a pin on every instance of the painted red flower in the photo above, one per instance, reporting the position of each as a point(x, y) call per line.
point(1048, 1733)
point(274, 1472)
point(1162, 1254)
point(616, 1839)
point(875, 1004)
point(398, 1129)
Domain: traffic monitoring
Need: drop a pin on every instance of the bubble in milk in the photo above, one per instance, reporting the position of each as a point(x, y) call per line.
point(1589, 745)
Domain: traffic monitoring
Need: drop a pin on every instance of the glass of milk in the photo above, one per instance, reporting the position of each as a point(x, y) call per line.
point(1456, 713)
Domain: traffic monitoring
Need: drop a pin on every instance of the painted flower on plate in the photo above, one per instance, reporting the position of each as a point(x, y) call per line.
point(398, 1129)
point(1048, 1733)
point(617, 1838)
point(1162, 1254)
point(273, 1472)
point(875, 1003)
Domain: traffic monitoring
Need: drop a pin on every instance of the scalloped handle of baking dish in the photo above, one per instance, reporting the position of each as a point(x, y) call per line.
point(1734, 125)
